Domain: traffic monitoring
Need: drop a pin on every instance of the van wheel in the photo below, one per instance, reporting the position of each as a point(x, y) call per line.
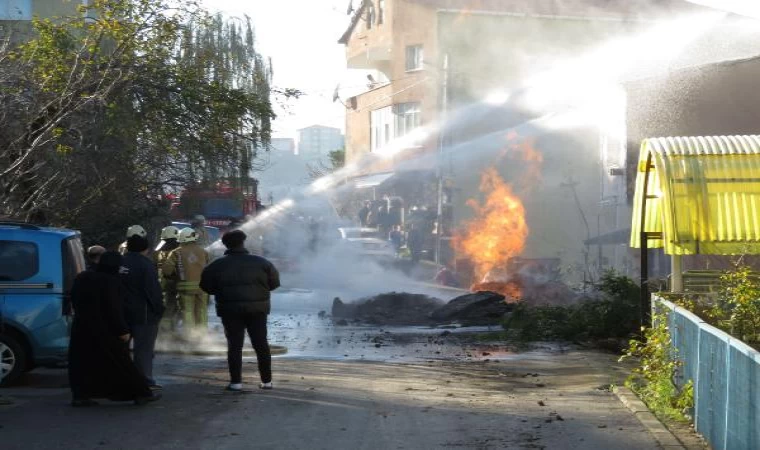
point(12, 360)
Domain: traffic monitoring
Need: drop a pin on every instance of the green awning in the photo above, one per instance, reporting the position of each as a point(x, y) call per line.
point(702, 195)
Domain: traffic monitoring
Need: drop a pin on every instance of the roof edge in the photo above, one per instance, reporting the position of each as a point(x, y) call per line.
point(354, 20)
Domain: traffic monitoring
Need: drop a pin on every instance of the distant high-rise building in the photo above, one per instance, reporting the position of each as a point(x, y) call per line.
point(16, 15)
point(317, 141)
point(283, 145)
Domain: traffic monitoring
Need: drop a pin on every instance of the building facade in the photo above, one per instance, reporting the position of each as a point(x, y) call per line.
point(317, 141)
point(283, 145)
point(440, 68)
point(16, 15)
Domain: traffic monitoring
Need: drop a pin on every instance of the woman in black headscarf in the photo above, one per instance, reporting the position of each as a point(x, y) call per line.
point(99, 361)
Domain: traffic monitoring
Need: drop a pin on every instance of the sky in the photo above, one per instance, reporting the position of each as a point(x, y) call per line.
point(301, 37)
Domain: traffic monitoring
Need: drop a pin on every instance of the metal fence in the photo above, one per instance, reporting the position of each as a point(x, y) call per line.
point(726, 376)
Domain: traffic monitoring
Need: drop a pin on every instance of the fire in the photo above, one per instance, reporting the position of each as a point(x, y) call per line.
point(523, 150)
point(499, 229)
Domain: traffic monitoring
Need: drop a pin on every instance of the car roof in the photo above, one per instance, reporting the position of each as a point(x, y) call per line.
point(187, 225)
point(26, 228)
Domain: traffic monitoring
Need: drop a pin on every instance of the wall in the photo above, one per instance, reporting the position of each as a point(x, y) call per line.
point(726, 376)
point(711, 100)
point(406, 24)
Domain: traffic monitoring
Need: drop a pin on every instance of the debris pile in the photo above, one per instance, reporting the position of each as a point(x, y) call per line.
point(393, 308)
point(480, 308)
point(399, 308)
point(530, 289)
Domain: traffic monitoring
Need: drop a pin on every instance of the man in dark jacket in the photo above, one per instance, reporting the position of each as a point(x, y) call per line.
point(241, 283)
point(144, 304)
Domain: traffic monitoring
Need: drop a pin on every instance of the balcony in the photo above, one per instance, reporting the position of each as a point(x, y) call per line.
point(367, 52)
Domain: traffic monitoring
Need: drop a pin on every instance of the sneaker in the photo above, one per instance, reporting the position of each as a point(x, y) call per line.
point(234, 387)
point(145, 400)
point(155, 387)
point(266, 385)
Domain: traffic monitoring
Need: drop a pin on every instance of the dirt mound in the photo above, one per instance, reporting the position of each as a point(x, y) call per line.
point(394, 308)
point(480, 308)
point(400, 308)
point(530, 289)
point(510, 291)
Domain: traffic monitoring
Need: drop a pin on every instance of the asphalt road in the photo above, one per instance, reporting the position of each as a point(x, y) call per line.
point(345, 387)
point(539, 399)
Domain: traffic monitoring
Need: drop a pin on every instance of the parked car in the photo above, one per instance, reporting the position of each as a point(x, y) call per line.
point(367, 242)
point(37, 269)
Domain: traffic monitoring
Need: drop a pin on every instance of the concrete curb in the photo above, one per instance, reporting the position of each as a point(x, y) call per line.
point(661, 433)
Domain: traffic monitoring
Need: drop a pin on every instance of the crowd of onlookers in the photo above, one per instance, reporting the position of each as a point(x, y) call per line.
point(128, 297)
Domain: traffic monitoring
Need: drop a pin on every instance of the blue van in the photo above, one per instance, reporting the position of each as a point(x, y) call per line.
point(37, 269)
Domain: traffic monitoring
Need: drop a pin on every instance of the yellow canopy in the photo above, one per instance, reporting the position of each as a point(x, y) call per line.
point(702, 194)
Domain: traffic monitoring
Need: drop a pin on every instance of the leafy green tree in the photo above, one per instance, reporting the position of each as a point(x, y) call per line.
point(102, 117)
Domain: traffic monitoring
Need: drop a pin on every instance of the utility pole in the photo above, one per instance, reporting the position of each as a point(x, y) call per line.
point(571, 184)
point(441, 144)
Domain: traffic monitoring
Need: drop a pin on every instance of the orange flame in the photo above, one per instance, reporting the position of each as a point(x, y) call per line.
point(523, 149)
point(499, 229)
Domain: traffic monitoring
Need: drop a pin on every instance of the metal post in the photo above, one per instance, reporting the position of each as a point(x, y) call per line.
point(441, 142)
point(646, 307)
point(676, 278)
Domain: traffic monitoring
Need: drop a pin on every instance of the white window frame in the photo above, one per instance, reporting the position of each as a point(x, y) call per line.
point(407, 117)
point(382, 124)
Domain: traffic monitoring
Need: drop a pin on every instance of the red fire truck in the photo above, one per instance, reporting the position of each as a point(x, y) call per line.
point(221, 205)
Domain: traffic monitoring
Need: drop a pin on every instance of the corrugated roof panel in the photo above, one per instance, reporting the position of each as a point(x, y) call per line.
point(705, 195)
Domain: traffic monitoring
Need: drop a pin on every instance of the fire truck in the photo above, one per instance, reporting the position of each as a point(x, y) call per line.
point(222, 204)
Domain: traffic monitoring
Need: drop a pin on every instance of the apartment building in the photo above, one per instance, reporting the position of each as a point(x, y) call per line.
point(16, 15)
point(481, 50)
point(283, 145)
point(317, 141)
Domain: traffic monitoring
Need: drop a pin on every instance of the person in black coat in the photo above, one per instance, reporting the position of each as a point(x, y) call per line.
point(144, 305)
point(241, 284)
point(99, 362)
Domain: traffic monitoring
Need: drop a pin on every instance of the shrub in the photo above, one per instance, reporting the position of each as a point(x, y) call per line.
point(614, 314)
point(653, 379)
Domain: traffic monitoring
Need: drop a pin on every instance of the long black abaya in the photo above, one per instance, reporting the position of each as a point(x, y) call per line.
point(99, 362)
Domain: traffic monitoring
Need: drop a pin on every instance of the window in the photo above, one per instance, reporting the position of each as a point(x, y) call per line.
point(18, 260)
point(73, 263)
point(380, 12)
point(413, 58)
point(381, 127)
point(370, 16)
point(407, 117)
point(392, 122)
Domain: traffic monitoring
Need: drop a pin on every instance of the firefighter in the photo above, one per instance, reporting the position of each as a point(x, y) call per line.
point(186, 264)
point(168, 243)
point(199, 225)
point(132, 231)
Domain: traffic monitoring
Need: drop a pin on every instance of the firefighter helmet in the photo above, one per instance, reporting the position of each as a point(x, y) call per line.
point(187, 235)
point(170, 232)
point(136, 230)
